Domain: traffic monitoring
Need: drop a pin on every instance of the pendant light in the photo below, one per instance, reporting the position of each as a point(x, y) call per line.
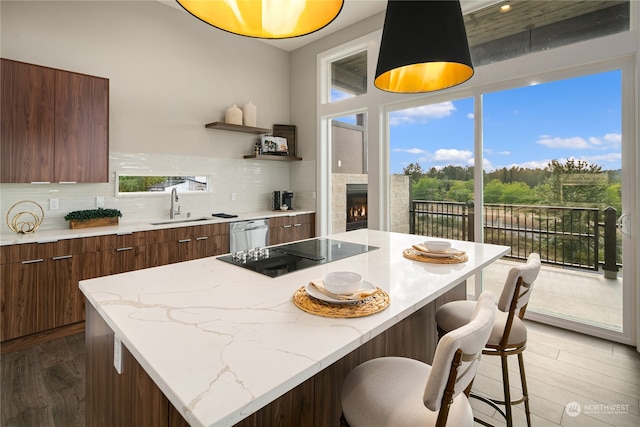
point(424, 47)
point(267, 19)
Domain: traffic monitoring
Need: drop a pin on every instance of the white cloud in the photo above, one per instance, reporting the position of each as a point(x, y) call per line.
point(409, 150)
point(557, 142)
point(421, 114)
point(452, 155)
point(578, 142)
point(604, 158)
point(471, 116)
point(497, 153)
point(614, 138)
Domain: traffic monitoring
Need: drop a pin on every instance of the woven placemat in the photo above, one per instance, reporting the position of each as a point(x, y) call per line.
point(417, 256)
point(373, 304)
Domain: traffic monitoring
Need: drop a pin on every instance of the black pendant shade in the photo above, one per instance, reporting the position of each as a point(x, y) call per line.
point(424, 47)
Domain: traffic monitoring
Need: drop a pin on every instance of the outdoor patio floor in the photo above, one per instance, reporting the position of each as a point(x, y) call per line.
point(572, 294)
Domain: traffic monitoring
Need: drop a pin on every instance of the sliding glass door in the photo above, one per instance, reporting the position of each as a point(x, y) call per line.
point(553, 184)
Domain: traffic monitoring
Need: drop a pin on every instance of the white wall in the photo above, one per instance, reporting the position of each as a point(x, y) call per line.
point(169, 74)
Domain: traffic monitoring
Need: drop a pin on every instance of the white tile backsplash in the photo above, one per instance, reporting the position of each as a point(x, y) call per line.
point(251, 180)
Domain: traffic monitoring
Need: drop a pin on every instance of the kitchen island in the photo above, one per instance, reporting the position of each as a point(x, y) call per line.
point(208, 343)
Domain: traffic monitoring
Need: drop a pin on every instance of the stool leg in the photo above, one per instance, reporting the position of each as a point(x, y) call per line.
point(507, 391)
point(525, 393)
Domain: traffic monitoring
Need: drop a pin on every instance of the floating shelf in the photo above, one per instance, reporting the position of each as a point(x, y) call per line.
point(236, 128)
point(273, 157)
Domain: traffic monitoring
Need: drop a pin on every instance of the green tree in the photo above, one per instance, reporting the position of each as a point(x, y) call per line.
point(414, 170)
point(428, 189)
point(576, 183)
point(460, 191)
point(493, 191)
point(517, 193)
point(614, 196)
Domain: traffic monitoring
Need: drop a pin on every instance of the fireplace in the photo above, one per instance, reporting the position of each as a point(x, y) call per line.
point(356, 206)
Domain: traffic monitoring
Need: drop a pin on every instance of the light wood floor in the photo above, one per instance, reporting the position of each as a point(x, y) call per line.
point(44, 385)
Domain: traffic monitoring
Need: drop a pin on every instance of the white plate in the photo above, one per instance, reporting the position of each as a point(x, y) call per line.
point(366, 286)
point(422, 250)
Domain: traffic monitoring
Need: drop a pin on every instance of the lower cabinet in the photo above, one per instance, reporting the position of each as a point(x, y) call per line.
point(40, 286)
point(26, 298)
point(173, 245)
point(40, 290)
point(283, 229)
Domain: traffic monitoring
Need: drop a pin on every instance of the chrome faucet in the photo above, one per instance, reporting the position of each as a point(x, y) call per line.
point(174, 198)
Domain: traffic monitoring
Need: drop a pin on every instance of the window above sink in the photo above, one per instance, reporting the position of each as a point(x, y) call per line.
point(156, 184)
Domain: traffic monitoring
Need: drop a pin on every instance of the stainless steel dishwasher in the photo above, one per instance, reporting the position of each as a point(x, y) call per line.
point(244, 235)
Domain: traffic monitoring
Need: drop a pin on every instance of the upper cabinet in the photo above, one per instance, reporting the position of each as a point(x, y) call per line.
point(55, 125)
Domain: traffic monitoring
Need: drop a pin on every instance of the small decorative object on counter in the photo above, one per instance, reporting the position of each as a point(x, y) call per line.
point(25, 221)
point(93, 218)
point(233, 115)
point(250, 114)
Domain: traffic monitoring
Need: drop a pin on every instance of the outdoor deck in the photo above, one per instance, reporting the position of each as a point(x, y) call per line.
point(572, 294)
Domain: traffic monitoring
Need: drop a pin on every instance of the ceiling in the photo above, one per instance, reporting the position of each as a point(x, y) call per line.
point(352, 12)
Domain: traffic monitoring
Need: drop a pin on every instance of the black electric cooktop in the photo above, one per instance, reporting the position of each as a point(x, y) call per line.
point(280, 260)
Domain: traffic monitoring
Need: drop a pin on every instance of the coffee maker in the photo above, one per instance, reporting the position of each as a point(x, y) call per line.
point(287, 199)
point(280, 198)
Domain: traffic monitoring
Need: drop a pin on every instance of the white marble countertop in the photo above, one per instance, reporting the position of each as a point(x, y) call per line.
point(221, 341)
point(44, 236)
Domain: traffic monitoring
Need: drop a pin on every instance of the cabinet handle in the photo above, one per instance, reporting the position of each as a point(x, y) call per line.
point(297, 225)
point(202, 238)
point(32, 261)
point(184, 240)
point(287, 226)
point(124, 249)
point(67, 182)
point(56, 258)
point(40, 182)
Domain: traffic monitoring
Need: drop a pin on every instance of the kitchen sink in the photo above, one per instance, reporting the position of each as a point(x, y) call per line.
point(179, 221)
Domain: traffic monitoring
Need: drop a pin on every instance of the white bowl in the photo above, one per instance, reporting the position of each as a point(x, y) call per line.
point(342, 282)
point(437, 245)
point(284, 207)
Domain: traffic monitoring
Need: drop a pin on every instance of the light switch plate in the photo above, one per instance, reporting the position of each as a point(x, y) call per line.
point(117, 354)
point(99, 202)
point(54, 204)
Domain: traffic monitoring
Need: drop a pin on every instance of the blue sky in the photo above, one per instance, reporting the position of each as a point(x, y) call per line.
point(577, 118)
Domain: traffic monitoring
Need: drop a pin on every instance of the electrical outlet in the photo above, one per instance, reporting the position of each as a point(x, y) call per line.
point(117, 354)
point(233, 196)
point(99, 202)
point(54, 204)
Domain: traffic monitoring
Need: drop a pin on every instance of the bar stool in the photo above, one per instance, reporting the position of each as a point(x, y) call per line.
point(509, 335)
point(403, 392)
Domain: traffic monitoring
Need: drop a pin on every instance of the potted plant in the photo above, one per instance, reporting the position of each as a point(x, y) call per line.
point(93, 218)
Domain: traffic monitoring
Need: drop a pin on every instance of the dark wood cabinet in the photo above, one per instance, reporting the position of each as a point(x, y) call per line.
point(25, 295)
point(283, 229)
point(40, 286)
point(173, 245)
point(27, 145)
point(55, 125)
point(81, 128)
point(119, 253)
point(40, 289)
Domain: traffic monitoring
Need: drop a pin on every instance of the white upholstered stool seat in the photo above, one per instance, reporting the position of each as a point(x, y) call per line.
point(402, 392)
point(388, 392)
point(458, 313)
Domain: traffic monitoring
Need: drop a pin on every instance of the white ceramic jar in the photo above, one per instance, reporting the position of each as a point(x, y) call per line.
point(250, 114)
point(233, 115)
